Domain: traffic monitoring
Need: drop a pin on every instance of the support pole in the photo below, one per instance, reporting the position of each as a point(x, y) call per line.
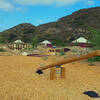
point(52, 73)
point(62, 72)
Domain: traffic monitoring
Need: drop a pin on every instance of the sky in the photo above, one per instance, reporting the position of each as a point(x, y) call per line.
point(36, 12)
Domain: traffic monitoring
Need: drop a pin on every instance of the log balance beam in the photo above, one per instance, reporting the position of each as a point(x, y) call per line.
point(69, 60)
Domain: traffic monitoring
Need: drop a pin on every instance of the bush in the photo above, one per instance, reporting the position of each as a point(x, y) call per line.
point(62, 53)
point(97, 58)
point(94, 38)
point(2, 50)
point(56, 53)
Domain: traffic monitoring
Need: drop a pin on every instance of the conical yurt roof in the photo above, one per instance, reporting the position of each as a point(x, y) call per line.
point(18, 41)
point(45, 42)
point(81, 40)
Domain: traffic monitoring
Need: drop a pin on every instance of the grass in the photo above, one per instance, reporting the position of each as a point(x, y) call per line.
point(19, 81)
point(45, 58)
point(73, 62)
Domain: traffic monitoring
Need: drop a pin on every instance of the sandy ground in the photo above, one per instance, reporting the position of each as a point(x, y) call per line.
point(19, 81)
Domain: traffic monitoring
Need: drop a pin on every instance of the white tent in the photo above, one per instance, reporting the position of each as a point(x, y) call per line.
point(45, 42)
point(18, 41)
point(80, 40)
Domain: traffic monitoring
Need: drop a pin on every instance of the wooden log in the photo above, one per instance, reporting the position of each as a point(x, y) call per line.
point(52, 74)
point(73, 59)
point(98, 52)
point(62, 72)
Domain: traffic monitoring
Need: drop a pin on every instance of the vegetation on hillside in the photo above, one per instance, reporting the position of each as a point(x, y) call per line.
point(57, 42)
point(66, 29)
point(1, 39)
point(94, 38)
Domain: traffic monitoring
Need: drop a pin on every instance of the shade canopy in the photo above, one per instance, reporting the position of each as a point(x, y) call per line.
point(81, 40)
point(18, 41)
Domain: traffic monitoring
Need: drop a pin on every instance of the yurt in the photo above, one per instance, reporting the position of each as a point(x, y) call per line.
point(46, 43)
point(18, 41)
point(82, 42)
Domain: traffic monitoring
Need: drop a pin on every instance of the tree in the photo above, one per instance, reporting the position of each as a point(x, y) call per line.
point(35, 42)
point(58, 42)
point(1, 39)
point(94, 37)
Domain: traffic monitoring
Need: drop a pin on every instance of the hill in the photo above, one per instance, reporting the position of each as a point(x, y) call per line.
point(72, 26)
point(64, 29)
point(23, 31)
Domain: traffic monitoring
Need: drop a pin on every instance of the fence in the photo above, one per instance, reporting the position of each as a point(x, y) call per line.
point(19, 46)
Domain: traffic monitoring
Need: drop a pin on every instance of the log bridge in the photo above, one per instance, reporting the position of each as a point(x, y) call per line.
point(68, 60)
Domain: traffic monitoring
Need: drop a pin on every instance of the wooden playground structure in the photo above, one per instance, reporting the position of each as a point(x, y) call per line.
point(53, 73)
point(65, 61)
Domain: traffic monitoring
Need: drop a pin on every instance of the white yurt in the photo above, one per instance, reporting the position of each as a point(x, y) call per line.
point(18, 41)
point(46, 43)
point(81, 42)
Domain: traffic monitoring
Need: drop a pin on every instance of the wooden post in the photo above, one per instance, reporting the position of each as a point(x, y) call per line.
point(52, 74)
point(62, 72)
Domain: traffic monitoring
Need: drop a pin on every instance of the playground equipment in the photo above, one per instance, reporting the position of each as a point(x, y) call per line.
point(73, 59)
point(54, 71)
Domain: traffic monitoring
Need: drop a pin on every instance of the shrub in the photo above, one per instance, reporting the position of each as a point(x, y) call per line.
point(56, 53)
point(62, 53)
point(97, 58)
point(94, 38)
point(2, 50)
point(91, 64)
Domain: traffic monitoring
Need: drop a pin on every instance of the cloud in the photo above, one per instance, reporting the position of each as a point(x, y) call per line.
point(6, 5)
point(13, 4)
point(66, 2)
point(91, 2)
point(19, 9)
point(46, 2)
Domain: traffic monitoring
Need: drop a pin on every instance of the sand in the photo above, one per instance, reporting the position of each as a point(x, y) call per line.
point(19, 81)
